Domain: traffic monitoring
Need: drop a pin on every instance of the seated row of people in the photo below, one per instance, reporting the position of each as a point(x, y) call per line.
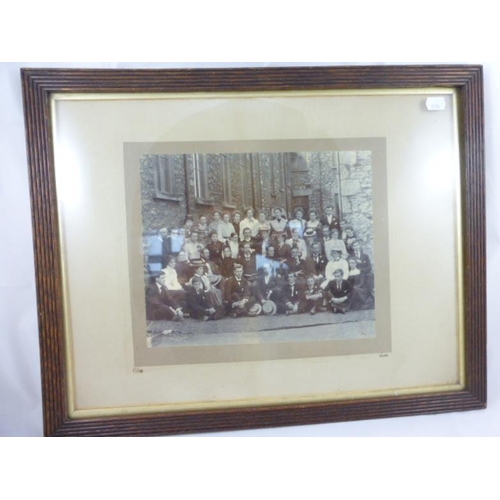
point(280, 258)
point(240, 287)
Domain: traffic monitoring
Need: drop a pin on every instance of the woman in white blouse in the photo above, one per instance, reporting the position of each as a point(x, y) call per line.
point(334, 243)
point(336, 262)
point(170, 280)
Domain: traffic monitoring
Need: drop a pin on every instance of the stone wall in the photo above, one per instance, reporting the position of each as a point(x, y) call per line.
point(266, 180)
point(158, 213)
point(357, 194)
point(271, 193)
point(323, 179)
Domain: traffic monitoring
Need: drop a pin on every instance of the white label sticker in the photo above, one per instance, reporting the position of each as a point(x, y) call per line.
point(435, 104)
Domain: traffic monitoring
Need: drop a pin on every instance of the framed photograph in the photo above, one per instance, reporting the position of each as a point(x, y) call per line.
point(247, 248)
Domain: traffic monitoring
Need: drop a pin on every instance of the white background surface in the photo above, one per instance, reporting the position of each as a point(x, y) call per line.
point(20, 396)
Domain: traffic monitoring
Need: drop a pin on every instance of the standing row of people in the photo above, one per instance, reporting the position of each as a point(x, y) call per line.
point(226, 228)
point(225, 223)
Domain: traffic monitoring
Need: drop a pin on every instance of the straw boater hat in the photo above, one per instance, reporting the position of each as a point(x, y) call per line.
point(309, 232)
point(197, 263)
point(214, 279)
point(269, 308)
point(255, 310)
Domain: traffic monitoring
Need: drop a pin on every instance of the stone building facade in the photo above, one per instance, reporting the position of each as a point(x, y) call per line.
point(174, 186)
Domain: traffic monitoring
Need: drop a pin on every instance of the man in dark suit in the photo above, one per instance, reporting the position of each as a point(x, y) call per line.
point(363, 263)
point(298, 266)
point(236, 221)
point(317, 262)
point(339, 292)
point(282, 249)
point(290, 296)
point(311, 298)
point(172, 244)
point(248, 260)
point(239, 294)
point(329, 219)
point(159, 303)
point(198, 304)
point(267, 285)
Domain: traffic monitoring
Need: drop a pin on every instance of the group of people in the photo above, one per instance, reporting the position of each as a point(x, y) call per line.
point(234, 266)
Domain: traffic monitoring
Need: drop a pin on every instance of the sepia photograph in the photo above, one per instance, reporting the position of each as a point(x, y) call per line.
point(258, 247)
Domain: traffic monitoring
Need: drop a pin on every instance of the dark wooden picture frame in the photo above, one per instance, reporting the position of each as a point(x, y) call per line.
point(38, 87)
